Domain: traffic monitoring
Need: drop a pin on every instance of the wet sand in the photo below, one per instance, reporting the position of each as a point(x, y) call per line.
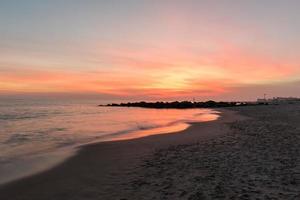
point(235, 157)
point(104, 170)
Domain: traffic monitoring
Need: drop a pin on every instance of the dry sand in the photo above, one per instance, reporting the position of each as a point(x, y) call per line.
point(258, 159)
point(231, 158)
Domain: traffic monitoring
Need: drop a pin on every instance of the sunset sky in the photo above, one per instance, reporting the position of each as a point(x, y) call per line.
point(151, 49)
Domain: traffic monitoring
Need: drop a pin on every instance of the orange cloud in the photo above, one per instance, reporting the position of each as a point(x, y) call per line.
point(160, 71)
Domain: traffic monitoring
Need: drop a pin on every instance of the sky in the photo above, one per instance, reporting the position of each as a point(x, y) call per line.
point(150, 49)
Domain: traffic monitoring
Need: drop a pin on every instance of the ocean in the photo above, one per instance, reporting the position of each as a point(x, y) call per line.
point(37, 134)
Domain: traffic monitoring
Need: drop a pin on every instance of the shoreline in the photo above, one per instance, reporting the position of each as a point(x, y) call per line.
point(107, 163)
point(35, 164)
point(44, 161)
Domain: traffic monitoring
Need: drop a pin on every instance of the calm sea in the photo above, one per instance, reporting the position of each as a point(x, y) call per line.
point(36, 134)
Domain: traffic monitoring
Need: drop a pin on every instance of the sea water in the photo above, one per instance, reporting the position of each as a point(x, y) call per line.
point(36, 134)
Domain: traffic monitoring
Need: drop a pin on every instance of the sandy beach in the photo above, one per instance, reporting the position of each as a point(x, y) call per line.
point(249, 153)
point(257, 159)
point(149, 100)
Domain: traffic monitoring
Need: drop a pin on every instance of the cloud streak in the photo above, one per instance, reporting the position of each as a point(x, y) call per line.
point(169, 49)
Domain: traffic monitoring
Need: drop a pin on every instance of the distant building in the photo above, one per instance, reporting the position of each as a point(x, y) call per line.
point(262, 100)
point(280, 100)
